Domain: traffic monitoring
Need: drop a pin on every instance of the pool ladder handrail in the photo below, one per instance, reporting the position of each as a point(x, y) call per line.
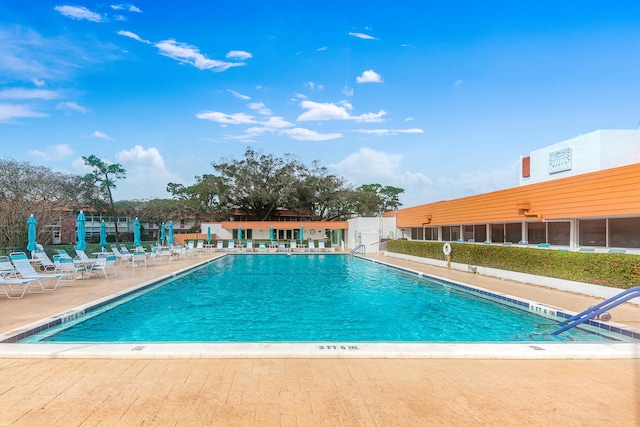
point(361, 247)
point(598, 309)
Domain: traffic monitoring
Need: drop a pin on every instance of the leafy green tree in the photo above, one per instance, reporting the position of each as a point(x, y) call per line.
point(373, 199)
point(104, 176)
point(320, 194)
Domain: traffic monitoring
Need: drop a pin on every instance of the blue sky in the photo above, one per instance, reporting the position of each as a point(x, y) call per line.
point(439, 98)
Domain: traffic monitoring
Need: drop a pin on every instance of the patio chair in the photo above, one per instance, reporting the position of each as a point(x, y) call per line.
point(67, 265)
point(293, 246)
point(262, 247)
point(282, 247)
point(249, 247)
point(231, 246)
point(219, 246)
point(200, 246)
point(139, 259)
point(6, 267)
point(119, 255)
point(45, 262)
point(105, 266)
point(321, 247)
point(15, 288)
point(311, 247)
point(26, 271)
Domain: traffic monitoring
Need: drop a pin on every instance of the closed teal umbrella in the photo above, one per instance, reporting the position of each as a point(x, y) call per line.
point(82, 232)
point(136, 233)
point(103, 234)
point(208, 234)
point(240, 233)
point(31, 233)
point(170, 238)
point(302, 232)
point(271, 233)
point(162, 236)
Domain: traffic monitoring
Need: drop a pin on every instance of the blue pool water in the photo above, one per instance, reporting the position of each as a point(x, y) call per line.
point(279, 298)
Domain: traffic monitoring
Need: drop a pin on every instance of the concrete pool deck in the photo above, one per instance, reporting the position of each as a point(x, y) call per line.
point(311, 391)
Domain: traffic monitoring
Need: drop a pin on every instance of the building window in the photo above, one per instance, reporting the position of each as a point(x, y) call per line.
point(480, 233)
point(593, 232)
point(417, 234)
point(455, 233)
point(468, 233)
point(430, 233)
point(446, 234)
point(559, 233)
point(513, 232)
point(536, 232)
point(624, 232)
point(497, 233)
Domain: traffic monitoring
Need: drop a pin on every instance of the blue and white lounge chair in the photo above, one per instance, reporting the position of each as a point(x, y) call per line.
point(26, 271)
point(15, 288)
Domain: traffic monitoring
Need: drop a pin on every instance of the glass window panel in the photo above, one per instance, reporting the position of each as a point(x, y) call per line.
point(559, 233)
point(593, 232)
point(497, 233)
point(468, 233)
point(446, 234)
point(480, 233)
point(624, 232)
point(536, 232)
point(455, 233)
point(513, 232)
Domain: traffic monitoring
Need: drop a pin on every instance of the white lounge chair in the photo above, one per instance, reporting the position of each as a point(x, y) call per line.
point(67, 265)
point(200, 246)
point(293, 246)
point(282, 247)
point(15, 288)
point(45, 262)
point(119, 255)
point(219, 246)
point(139, 259)
point(231, 246)
point(6, 267)
point(105, 266)
point(26, 271)
point(311, 247)
point(249, 247)
point(321, 247)
point(262, 247)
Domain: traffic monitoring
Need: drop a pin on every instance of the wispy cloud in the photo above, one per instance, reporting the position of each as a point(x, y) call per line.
point(239, 95)
point(20, 93)
point(228, 119)
point(240, 55)
point(72, 106)
point(128, 7)
point(385, 132)
point(369, 76)
point(362, 36)
point(100, 135)
point(187, 54)
point(316, 87)
point(8, 113)
point(320, 49)
point(329, 111)
point(39, 83)
point(55, 152)
point(133, 36)
point(260, 108)
point(300, 134)
point(458, 83)
point(79, 13)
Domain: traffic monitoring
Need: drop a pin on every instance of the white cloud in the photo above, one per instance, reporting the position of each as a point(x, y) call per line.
point(120, 17)
point(133, 36)
point(117, 7)
point(147, 174)
point(129, 7)
point(458, 83)
point(79, 13)
point(260, 108)
point(384, 132)
point(277, 123)
point(239, 54)
point(56, 152)
point(10, 112)
point(367, 165)
point(39, 83)
point(314, 86)
point(19, 93)
point(301, 134)
point(133, 8)
point(347, 91)
point(363, 36)
point(229, 119)
point(330, 111)
point(320, 49)
point(187, 54)
point(101, 135)
point(369, 76)
point(239, 95)
point(408, 119)
point(72, 106)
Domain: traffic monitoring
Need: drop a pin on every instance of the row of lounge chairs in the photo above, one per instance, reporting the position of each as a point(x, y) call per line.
point(271, 246)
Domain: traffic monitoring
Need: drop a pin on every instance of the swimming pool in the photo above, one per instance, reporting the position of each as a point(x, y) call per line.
point(306, 298)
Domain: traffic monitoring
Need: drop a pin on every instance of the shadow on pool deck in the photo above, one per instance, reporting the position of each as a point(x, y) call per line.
point(309, 392)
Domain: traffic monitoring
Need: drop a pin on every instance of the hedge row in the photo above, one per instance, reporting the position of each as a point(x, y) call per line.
point(613, 270)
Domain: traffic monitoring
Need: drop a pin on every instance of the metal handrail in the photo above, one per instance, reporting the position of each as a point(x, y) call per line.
point(361, 247)
point(598, 309)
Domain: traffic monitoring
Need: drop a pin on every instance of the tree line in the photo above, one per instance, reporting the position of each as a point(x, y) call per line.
point(258, 186)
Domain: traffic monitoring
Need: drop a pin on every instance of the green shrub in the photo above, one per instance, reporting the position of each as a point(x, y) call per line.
point(613, 270)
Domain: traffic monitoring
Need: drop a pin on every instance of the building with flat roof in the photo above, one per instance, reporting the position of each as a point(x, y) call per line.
point(579, 194)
